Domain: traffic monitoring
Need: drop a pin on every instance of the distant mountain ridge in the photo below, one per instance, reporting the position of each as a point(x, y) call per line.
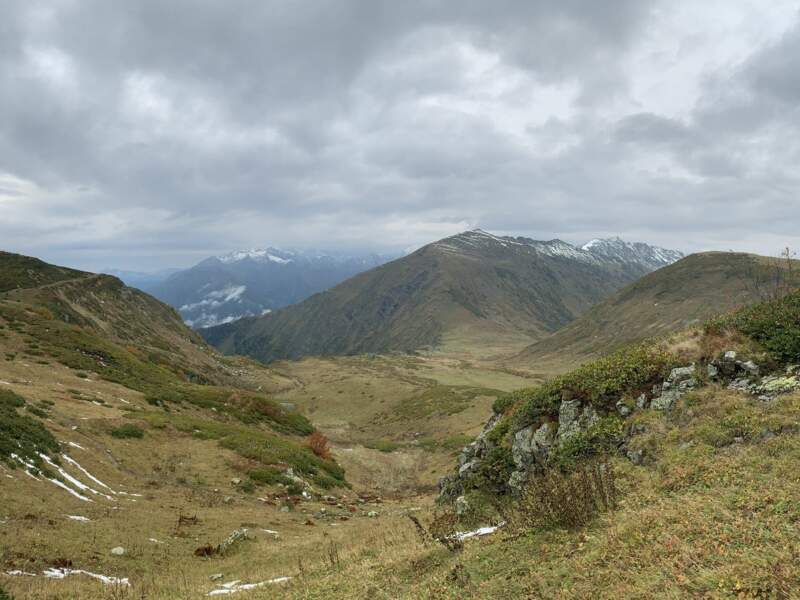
point(221, 289)
point(473, 284)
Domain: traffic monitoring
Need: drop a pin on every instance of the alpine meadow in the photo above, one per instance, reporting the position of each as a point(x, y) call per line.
point(397, 301)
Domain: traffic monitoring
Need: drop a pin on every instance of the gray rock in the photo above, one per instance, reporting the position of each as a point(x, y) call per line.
point(532, 444)
point(666, 400)
point(235, 538)
point(289, 406)
point(118, 551)
point(635, 456)
point(623, 409)
point(572, 420)
point(742, 384)
point(462, 506)
point(467, 469)
point(712, 371)
point(372, 514)
point(728, 363)
point(518, 480)
point(749, 367)
point(680, 376)
point(641, 402)
point(568, 414)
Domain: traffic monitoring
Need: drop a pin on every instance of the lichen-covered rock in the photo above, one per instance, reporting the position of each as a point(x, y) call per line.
point(623, 409)
point(641, 401)
point(518, 480)
point(742, 384)
point(532, 444)
point(573, 418)
point(712, 371)
point(748, 367)
point(462, 506)
point(666, 400)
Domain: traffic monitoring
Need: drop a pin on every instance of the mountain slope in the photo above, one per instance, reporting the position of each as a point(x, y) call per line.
point(251, 283)
point(474, 282)
point(670, 299)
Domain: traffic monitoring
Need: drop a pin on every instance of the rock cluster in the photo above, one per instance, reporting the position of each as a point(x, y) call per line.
point(532, 445)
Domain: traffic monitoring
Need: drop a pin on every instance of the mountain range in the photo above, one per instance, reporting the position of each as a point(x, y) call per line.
point(460, 291)
point(224, 288)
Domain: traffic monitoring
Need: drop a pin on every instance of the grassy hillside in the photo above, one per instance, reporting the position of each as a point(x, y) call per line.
point(471, 288)
point(710, 512)
point(112, 411)
point(680, 295)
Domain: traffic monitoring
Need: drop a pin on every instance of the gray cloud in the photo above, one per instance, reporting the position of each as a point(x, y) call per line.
point(145, 134)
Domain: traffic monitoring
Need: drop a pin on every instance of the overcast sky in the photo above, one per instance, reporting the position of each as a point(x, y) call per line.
point(152, 133)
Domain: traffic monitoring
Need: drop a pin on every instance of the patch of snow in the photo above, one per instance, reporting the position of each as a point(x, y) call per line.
point(4, 383)
point(18, 573)
point(78, 446)
point(77, 483)
point(155, 541)
point(271, 532)
point(62, 573)
point(260, 255)
point(79, 518)
point(75, 464)
point(234, 587)
point(477, 532)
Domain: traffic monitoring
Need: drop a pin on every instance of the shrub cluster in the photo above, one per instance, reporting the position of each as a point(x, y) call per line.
point(775, 325)
point(127, 431)
point(20, 434)
point(627, 372)
point(556, 499)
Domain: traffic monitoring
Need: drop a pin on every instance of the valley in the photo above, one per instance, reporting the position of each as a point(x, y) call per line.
point(150, 465)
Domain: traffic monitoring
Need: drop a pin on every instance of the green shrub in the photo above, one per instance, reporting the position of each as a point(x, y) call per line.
point(20, 434)
point(600, 439)
point(382, 445)
point(775, 325)
point(268, 476)
point(5, 595)
point(494, 471)
point(627, 372)
point(247, 486)
point(127, 431)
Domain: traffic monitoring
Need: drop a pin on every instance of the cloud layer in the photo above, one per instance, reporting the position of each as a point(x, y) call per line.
point(146, 134)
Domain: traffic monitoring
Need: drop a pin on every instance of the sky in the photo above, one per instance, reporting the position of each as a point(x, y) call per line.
point(145, 134)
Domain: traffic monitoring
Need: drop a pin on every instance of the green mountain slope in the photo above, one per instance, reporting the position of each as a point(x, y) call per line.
point(474, 286)
point(670, 299)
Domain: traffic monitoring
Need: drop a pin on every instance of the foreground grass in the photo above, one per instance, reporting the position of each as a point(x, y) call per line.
point(706, 519)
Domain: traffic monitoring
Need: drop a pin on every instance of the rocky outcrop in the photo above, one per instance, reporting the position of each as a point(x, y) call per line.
point(532, 445)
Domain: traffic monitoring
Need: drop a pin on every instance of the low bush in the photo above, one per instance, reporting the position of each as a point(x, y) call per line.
point(556, 499)
point(5, 595)
point(319, 445)
point(20, 434)
point(127, 431)
point(627, 372)
point(774, 325)
point(268, 476)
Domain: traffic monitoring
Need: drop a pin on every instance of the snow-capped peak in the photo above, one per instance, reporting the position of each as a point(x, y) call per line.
point(638, 252)
point(274, 255)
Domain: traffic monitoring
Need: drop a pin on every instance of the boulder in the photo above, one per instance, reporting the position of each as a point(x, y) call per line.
point(462, 506)
point(748, 367)
point(641, 401)
point(712, 371)
point(572, 419)
point(681, 378)
point(568, 414)
point(623, 409)
point(532, 444)
point(727, 363)
point(118, 551)
point(666, 400)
